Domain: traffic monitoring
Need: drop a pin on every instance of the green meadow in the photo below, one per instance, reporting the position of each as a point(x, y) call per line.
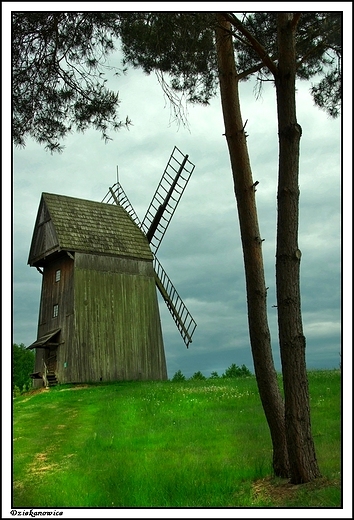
point(165, 444)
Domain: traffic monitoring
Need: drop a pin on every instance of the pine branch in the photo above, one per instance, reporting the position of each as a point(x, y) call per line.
point(295, 20)
point(250, 71)
point(257, 47)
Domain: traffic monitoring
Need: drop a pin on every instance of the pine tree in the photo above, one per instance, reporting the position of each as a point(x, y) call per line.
point(305, 45)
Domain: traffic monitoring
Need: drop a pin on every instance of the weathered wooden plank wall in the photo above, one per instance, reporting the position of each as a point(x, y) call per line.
point(56, 293)
point(117, 323)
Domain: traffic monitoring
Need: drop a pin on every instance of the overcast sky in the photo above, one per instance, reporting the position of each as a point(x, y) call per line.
point(201, 251)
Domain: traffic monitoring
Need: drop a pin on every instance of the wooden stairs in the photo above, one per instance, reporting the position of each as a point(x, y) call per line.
point(52, 379)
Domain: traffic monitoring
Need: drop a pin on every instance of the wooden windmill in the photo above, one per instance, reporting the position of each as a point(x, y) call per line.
point(154, 225)
point(99, 317)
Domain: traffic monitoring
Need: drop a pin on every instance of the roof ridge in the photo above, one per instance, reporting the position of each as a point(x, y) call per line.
point(87, 226)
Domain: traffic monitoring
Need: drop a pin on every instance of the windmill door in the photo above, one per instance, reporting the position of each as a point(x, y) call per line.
point(51, 359)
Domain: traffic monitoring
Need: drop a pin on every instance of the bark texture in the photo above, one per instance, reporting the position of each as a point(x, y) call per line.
point(301, 450)
point(252, 248)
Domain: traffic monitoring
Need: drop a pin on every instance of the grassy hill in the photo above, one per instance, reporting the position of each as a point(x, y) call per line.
point(165, 444)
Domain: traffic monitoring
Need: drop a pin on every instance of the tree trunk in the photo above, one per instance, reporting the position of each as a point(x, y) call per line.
point(301, 451)
point(252, 248)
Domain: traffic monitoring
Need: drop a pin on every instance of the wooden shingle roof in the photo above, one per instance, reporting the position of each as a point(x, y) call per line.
point(71, 224)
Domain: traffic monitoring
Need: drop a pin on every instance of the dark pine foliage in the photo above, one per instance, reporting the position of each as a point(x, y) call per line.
point(318, 49)
point(180, 44)
point(58, 68)
point(60, 63)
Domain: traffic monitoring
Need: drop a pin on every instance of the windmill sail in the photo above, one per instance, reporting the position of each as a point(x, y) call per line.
point(179, 312)
point(116, 195)
point(166, 198)
point(158, 216)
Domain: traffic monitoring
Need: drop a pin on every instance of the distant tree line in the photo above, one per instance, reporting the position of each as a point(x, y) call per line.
point(23, 363)
point(22, 367)
point(232, 371)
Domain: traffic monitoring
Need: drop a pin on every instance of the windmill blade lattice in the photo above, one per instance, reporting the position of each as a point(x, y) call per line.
point(179, 312)
point(166, 198)
point(158, 216)
point(116, 195)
